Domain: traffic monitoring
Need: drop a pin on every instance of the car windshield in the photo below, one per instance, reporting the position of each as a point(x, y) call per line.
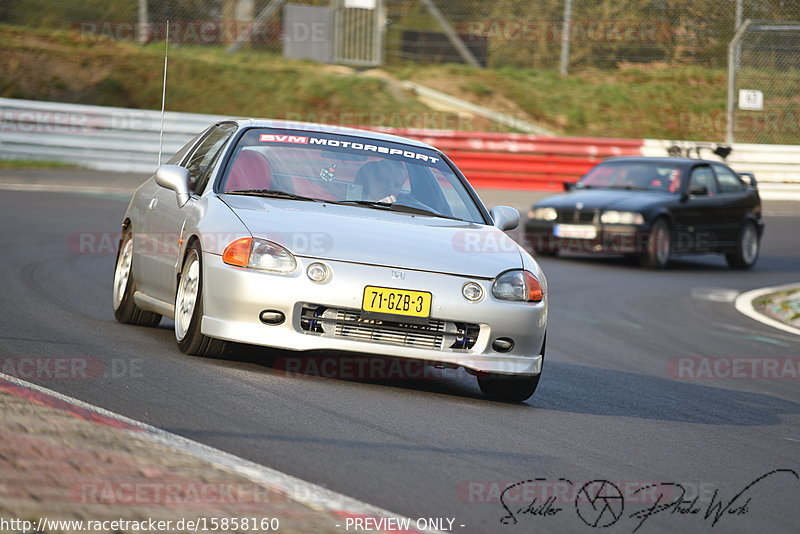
point(317, 166)
point(655, 176)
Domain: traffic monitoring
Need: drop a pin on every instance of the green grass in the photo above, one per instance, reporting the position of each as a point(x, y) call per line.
point(662, 101)
point(34, 164)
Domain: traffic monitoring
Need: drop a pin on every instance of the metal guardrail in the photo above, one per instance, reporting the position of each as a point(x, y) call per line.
point(103, 138)
point(126, 140)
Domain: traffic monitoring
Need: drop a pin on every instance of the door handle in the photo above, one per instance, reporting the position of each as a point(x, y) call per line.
point(153, 203)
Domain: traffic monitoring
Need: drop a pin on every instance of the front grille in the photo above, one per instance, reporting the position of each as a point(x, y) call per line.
point(348, 323)
point(575, 216)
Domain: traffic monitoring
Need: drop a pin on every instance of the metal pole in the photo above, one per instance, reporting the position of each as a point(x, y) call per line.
point(262, 17)
point(566, 37)
point(733, 46)
point(739, 15)
point(144, 23)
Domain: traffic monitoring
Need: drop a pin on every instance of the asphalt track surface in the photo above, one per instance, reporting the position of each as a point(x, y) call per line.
point(609, 407)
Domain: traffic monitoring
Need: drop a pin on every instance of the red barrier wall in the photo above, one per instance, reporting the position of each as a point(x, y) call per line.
point(520, 161)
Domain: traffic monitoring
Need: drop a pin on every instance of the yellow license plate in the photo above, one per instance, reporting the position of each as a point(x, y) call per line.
point(397, 301)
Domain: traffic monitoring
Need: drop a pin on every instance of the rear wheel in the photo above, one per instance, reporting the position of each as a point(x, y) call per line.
point(656, 256)
point(125, 308)
point(746, 253)
point(189, 309)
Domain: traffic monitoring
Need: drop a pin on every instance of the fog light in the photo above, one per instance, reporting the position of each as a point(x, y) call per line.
point(272, 317)
point(503, 344)
point(472, 291)
point(318, 272)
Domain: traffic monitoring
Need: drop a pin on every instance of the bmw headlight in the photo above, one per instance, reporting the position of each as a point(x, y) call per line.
point(260, 254)
point(543, 214)
point(519, 285)
point(621, 217)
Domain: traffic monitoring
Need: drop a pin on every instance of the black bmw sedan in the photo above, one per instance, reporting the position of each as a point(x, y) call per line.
point(652, 208)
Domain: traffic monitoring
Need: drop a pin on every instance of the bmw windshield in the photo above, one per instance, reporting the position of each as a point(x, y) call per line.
point(377, 174)
point(633, 176)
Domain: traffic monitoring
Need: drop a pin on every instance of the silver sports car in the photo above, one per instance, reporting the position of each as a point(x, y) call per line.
point(308, 237)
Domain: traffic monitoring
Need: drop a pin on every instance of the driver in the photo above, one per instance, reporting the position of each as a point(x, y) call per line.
point(384, 181)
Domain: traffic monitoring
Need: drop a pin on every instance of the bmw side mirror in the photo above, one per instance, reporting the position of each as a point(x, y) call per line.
point(176, 178)
point(505, 217)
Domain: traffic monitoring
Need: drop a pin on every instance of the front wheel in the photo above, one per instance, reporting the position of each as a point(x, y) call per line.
point(125, 308)
point(656, 255)
point(508, 387)
point(746, 253)
point(189, 309)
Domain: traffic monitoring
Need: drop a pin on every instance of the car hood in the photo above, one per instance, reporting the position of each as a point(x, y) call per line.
point(614, 199)
point(378, 237)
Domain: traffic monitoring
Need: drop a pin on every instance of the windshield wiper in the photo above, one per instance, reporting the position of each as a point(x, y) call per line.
point(402, 208)
point(273, 193)
point(368, 203)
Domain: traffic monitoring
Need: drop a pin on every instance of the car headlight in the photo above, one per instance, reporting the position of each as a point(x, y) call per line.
point(543, 214)
point(621, 217)
point(519, 285)
point(260, 254)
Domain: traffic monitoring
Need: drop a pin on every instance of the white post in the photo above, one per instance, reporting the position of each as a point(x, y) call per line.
point(566, 37)
point(144, 23)
point(732, 67)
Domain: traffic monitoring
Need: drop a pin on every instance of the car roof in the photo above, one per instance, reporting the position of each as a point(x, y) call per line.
point(661, 159)
point(329, 129)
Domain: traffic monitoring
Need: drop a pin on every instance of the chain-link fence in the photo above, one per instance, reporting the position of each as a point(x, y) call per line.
point(768, 74)
point(500, 33)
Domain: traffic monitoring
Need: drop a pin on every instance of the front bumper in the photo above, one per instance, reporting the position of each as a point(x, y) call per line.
point(233, 299)
point(609, 239)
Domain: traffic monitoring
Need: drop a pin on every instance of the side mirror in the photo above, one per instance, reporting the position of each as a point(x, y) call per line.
point(698, 190)
point(176, 178)
point(505, 217)
point(569, 185)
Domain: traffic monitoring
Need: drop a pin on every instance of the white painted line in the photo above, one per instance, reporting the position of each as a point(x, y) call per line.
point(312, 495)
point(744, 303)
point(59, 188)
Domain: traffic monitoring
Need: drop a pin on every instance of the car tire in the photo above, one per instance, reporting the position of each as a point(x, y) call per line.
point(125, 309)
point(189, 309)
point(747, 248)
point(510, 387)
point(659, 245)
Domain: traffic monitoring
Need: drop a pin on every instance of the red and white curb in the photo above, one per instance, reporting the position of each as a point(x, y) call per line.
point(307, 493)
point(744, 303)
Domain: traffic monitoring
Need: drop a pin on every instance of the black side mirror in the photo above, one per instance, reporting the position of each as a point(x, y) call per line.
point(569, 185)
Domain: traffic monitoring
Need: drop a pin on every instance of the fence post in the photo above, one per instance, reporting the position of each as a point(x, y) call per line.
point(566, 37)
point(733, 47)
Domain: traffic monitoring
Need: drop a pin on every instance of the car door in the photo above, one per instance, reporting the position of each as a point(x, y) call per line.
point(167, 218)
point(736, 201)
point(697, 216)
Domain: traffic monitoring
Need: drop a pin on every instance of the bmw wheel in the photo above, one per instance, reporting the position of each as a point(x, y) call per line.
point(125, 308)
point(189, 309)
point(656, 255)
point(746, 253)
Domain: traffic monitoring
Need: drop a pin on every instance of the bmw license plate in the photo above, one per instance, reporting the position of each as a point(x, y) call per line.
point(575, 231)
point(383, 301)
